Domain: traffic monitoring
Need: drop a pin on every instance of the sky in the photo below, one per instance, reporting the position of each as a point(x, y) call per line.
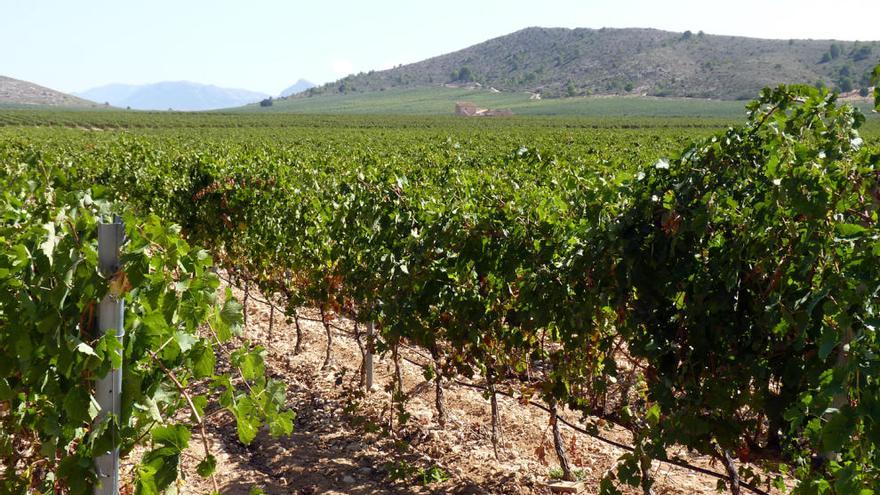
point(265, 45)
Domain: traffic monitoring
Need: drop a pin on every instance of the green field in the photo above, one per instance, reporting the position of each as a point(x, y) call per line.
point(286, 126)
point(441, 101)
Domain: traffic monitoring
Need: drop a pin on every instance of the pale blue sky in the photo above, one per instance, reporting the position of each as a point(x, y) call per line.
point(267, 45)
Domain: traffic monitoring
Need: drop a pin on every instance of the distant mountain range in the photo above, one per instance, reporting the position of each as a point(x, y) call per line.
point(557, 62)
point(14, 92)
point(176, 95)
point(538, 63)
point(298, 87)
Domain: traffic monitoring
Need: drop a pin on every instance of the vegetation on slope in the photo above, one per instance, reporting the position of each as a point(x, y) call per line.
point(576, 62)
point(16, 93)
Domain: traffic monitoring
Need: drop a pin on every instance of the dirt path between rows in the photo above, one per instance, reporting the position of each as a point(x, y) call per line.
point(338, 446)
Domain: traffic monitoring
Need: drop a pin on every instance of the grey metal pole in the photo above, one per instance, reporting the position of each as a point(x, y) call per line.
point(108, 389)
point(368, 360)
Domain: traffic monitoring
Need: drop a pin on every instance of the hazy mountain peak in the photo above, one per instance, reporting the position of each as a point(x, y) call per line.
point(177, 95)
point(298, 87)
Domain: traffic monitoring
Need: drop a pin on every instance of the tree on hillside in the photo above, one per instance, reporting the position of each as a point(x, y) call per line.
point(267, 102)
point(834, 50)
point(875, 79)
point(862, 53)
point(465, 75)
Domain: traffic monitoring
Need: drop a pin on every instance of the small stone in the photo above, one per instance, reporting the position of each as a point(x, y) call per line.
point(366, 470)
point(348, 479)
point(566, 487)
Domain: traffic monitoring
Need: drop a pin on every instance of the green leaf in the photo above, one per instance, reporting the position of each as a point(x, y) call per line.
point(200, 402)
point(207, 466)
point(607, 487)
point(156, 328)
point(231, 313)
point(652, 415)
point(174, 436)
point(94, 407)
point(77, 405)
point(19, 257)
point(281, 424)
point(77, 472)
point(229, 319)
point(152, 409)
point(849, 229)
point(251, 364)
point(157, 471)
point(48, 246)
point(836, 432)
point(6, 392)
point(779, 483)
point(827, 342)
point(109, 348)
point(246, 420)
point(184, 340)
point(203, 361)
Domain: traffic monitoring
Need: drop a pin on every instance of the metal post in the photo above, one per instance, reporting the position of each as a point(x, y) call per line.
point(108, 389)
point(368, 360)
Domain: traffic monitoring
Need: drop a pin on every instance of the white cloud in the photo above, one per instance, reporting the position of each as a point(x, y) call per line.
point(342, 67)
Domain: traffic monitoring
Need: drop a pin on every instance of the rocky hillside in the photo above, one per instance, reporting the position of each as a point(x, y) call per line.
point(576, 62)
point(17, 92)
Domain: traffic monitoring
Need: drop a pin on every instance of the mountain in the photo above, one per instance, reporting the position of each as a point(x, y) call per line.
point(298, 87)
point(177, 95)
point(14, 92)
point(558, 62)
